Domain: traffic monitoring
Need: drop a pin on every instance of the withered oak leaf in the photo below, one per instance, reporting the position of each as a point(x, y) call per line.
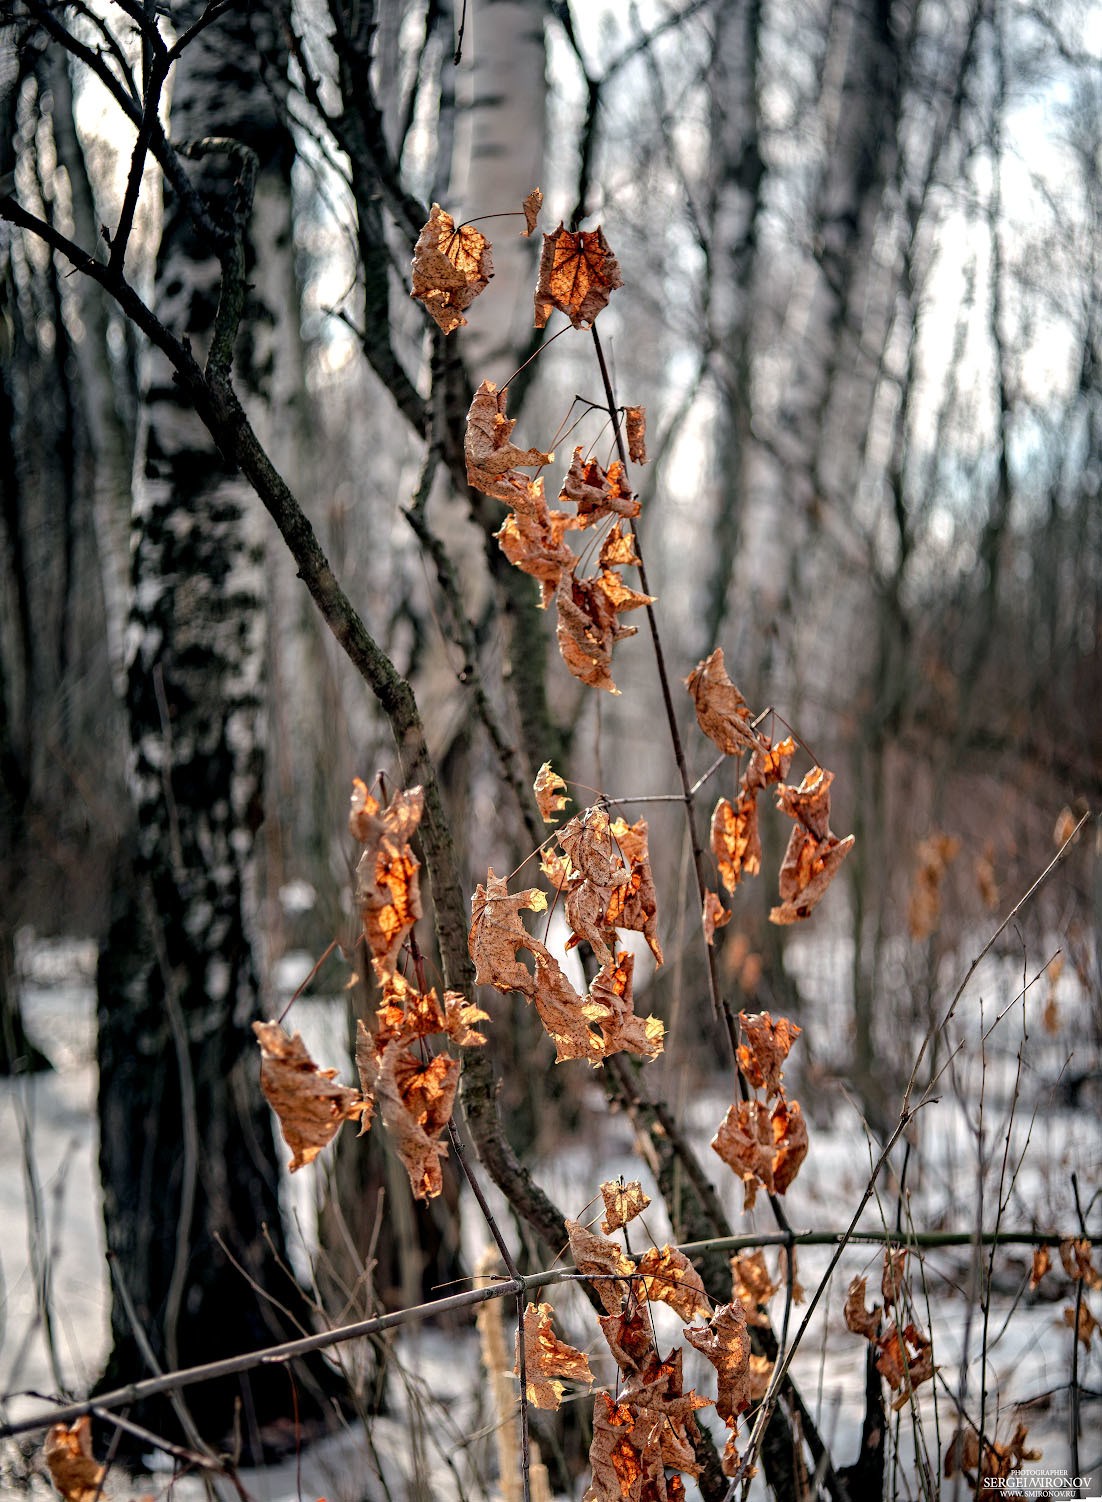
point(578, 273)
point(309, 1103)
point(450, 268)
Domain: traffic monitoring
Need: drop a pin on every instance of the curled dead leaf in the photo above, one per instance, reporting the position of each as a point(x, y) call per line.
point(415, 1098)
point(752, 1286)
point(531, 209)
point(621, 1029)
point(1083, 1323)
point(721, 711)
point(714, 915)
point(532, 539)
point(1042, 1261)
point(493, 461)
point(549, 789)
point(597, 493)
point(765, 1047)
point(309, 1103)
point(634, 903)
point(387, 882)
point(547, 1358)
point(578, 273)
point(860, 1320)
point(1077, 1258)
point(604, 1262)
point(69, 1459)
point(814, 853)
point(623, 1202)
point(450, 268)
point(725, 1342)
point(670, 1277)
point(736, 841)
point(497, 933)
point(637, 434)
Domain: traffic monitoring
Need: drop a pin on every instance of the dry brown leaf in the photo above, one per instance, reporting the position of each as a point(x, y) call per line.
point(618, 1474)
point(415, 1098)
point(559, 870)
point(387, 883)
point(497, 933)
point(493, 461)
point(721, 711)
point(790, 1141)
point(531, 208)
point(603, 1261)
point(578, 273)
point(618, 549)
point(532, 539)
point(1076, 1256)
point(547, 1358)
point(891, 1278)
point(1000, 1461)
point(736, 842)
point(904, 1359)
point(768, 764)
point(1084, 1325)
point(766, 1046)
point(637, 434)
point(713, 916)
point(460, 1015)
point(814, 854)
point(623, 1202)
point(860, 1320)
point(664, 1413)
point(670, 1277)
point(450, 268)
point(933, 857)
point(752, 1286)
point(587, 630)
point(310, 1105)
point(72, 1466)
point(597, 493)
point(1042, 1261)
point(622, 1030)
point(549, 789)
point(725, 1342)
point(1065, 826)
point(761, 1374)
point(630, 1336)
point(745, 1143)
point(601, 871)
point(567, 1018)
point(634, 903)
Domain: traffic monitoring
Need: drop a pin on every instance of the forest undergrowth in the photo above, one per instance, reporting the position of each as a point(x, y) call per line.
point(675, 1328)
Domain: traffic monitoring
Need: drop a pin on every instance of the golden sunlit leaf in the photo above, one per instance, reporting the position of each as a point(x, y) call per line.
point(736, 842)
point(578, 273)
point(725, 1342)
point(415, 1098)
point(72, 1466)
point(450, 268)
point(768, 764)
point(310, 1105)
point(713, 916)
point(493, 461)
point(664, 1415)
point(670, 1277)
point(616, 1466)
point(567, 1018)
point(618, 548)
point(604, 1262)
point(637, 434)
point(531, 207)
point(601, 871)
point(549, 789)
point(387, 882)
point(766, 1046)
point(721, 711)
point(547, 1358)
point(623, 1202)
point(790, 1142)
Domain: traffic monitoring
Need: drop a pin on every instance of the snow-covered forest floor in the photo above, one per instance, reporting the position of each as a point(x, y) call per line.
point(436, 1439)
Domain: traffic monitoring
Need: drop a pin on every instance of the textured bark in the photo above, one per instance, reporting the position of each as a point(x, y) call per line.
point(187, 1156)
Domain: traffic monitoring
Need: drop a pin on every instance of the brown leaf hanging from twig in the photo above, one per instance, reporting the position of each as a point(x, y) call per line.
point(497, 934)
point(765, 1047)
point(547, 1358)
point(598, 493)
point(387, 883)
point(493, 461)
point(860, 1320)
point(752, 1286)
point(634, 903)
point(72, 1466)
point(765, 1148)
point(450, 268)
point(670, 1277)
point(549, 789)
point(814, 854)
point(725, 1342)
point(310, 1105)
point(623, 1202)
point(415, 1098)
point(531, 208)
point(604, 1262)
point(532, 538)
point(721, 711)
point(621, 1029)
point(637, 434)
point(714, 915)
point(578, 273)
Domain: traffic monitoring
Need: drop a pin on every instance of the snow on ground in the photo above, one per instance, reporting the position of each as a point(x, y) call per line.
point(436, 1442)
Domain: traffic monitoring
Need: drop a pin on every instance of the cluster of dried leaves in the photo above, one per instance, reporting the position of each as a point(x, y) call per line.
point(814, 853)
point(763, 1141)
point(904, 1354)
point(412, 1089)
point(601, 870)
point(1077, 1259)
point(991, 1463)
